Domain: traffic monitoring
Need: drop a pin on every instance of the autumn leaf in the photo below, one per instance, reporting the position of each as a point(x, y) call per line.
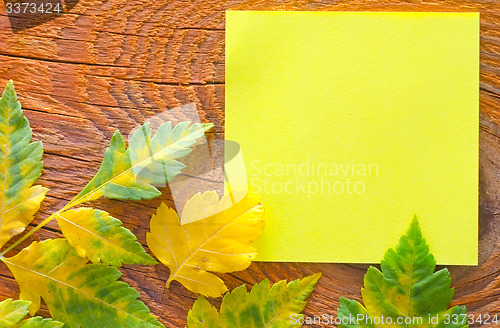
point(100, 237)
point(78, 294)
point(218, 243)
point(12, 314)
point(407, 292)
point(278, 306)
point(150, 160)
point(201, 206)
point(20, 167)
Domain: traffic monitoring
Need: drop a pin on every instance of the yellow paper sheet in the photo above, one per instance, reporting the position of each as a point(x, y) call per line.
point(352, 123)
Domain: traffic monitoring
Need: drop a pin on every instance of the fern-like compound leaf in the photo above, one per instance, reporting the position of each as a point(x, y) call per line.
point(80, 295)
point(406, 293)
point(278, 306)
point(150, 160)
point(20, 167)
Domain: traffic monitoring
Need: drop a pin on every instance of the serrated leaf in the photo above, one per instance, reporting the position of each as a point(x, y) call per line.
point(12, 314)
point(78, 294)
point(20, 167)
point(405, 290)
point(219, 243)
point(100, 237)
point(39, 322)
point(132, 173)
point(352, 312)
point(278, 306)
point(200, 206)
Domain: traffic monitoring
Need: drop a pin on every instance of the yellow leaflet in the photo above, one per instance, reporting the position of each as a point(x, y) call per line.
point(219, 243)
point(200, 206)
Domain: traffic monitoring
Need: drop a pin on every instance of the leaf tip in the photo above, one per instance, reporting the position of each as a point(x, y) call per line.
point(414, 222)
point(10, 90)
point(414, 231)
point(315, 277)
point(116, 135)
point(207, 126)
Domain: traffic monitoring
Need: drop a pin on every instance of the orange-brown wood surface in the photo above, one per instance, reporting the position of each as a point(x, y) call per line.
point(111, 64)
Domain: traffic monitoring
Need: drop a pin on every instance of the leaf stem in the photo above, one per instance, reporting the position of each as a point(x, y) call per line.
point(38, 227)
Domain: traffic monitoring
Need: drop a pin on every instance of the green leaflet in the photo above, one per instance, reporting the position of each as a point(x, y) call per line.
point(265, 306)
point(12, 314)
point(407, 288)
point(350, 310)
point(132, 173)
point(39, 322)
point(100, 237)
point(20, 167)
point(76, 293)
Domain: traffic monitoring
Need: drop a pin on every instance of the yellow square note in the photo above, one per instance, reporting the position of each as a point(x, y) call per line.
point(352, 123)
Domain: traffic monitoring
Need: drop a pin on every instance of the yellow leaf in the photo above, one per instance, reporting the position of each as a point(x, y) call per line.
point(200, 206)
point(218, 243)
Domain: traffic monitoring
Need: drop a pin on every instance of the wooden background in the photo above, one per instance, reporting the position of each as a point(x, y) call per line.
point(111, 64)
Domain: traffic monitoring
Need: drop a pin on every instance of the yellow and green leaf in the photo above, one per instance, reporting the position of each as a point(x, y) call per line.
point(101, 238)
point(407, 292)
point(278, 306)
point(12, 314)
point(218, 243)
point(38, 322)
point(150, 160)
point(20, 167)
point(78, 294)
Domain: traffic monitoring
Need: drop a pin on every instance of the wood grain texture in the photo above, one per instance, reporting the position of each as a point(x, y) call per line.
point(111, 64)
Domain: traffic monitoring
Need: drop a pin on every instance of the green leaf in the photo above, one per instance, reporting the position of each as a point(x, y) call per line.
point(405, 290)
point(20, 167)
point(100, 237)
point(150, 160)
point(78, 294)
point(353, 313)
point(13, 312)
point(39, 322)
point(265, 306)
